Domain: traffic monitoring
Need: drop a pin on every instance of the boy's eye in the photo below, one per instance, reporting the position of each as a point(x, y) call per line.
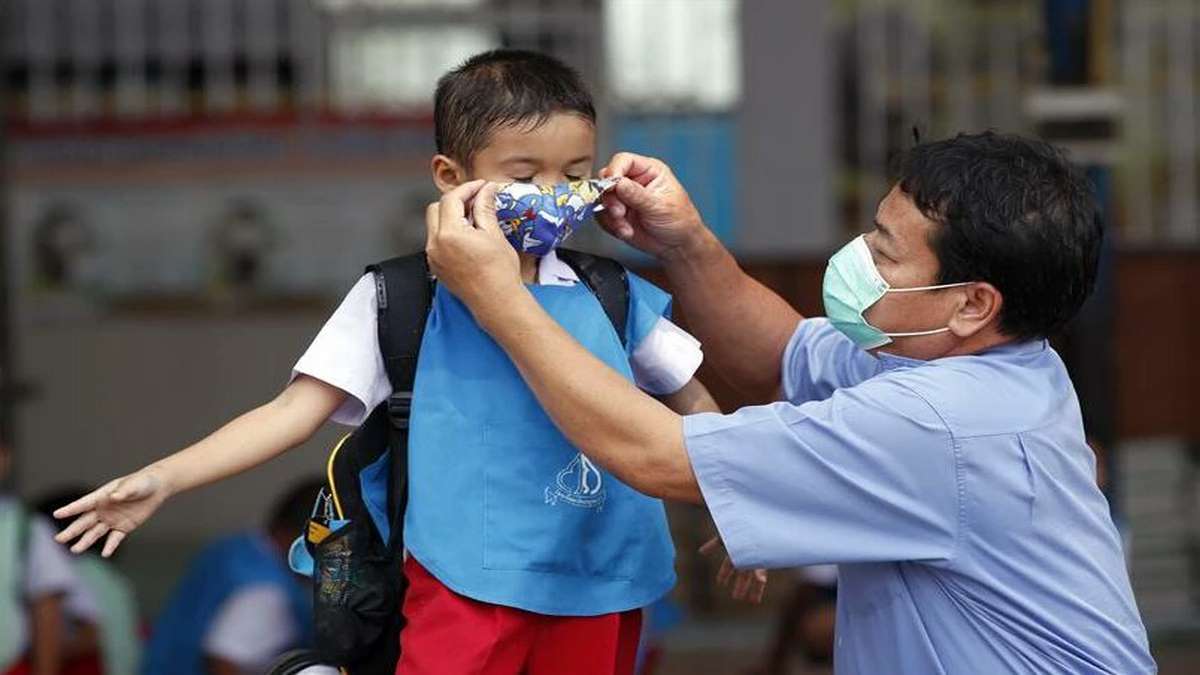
point(573, 178)
point(524, 180)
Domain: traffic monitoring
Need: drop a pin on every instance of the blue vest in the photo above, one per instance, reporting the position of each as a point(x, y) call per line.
point(218, 572)
point(502, 508)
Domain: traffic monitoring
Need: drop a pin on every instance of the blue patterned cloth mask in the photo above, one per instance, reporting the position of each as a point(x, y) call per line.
point(537, 218)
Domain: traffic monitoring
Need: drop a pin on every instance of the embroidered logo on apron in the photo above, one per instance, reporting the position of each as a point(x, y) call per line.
point(580, 484)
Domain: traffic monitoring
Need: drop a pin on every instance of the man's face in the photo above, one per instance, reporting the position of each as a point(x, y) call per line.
point(562, 149)
point(900, 247)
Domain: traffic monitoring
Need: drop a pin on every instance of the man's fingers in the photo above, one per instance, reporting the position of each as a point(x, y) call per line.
point(725, 573)
point(431, 223)
point(710, 545)
point(110, 545)
point(452, 209)
point(633, 195)
point(637, 167)
point(483, 208)
point(81, 524)
point(742, 585)
point(757, 594)
point(98, 530)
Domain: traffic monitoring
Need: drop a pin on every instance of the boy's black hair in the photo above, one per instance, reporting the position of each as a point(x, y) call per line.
point(1013, 212)
point(503, 87)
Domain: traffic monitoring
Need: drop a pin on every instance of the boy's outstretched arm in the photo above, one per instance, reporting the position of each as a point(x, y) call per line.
point(263, 433)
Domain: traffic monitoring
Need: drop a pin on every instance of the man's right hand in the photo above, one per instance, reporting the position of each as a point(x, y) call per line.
point(649, 209)
point(114, 510)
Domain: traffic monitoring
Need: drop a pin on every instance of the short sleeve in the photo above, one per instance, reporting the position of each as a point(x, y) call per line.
point(819, 359)
point(867, 475)
point(663, 356)
point(346, 354)
point(49, 569)
point(252, 627)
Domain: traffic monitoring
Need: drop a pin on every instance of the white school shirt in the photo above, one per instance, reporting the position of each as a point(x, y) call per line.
point(346, 353)
point(48, 570)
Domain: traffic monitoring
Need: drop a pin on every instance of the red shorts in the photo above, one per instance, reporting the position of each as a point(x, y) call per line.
point(448, 634)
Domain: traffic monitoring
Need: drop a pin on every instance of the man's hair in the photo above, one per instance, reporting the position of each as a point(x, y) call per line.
point(499, 88)
point(1013, 212)
point(291, 510)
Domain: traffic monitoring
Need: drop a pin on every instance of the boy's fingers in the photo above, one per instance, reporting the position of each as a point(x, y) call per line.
point(133, 488)
point(110, 545)
point(84, 503)
point(81, 524)
point(710, 545)
point(98, 530)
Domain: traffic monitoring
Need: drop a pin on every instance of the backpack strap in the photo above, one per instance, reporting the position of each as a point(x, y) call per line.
point(403, 294)
point(608, 281)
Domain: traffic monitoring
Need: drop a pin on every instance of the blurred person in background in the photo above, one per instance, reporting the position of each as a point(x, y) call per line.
point(238, 607)
point(805, 626)
point(36, 579)
point(102, 622)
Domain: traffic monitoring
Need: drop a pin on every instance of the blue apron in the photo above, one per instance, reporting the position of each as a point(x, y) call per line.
point(502, 508)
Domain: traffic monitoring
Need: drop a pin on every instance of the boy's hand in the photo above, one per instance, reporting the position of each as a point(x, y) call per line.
point(648, 208)
point(469, 254)
point(747, 584)
point(114, 510)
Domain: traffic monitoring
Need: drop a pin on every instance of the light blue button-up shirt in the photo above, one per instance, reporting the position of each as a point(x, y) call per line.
point(958, 496)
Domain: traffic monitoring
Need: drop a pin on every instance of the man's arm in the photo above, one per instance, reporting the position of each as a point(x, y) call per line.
point(744, 325)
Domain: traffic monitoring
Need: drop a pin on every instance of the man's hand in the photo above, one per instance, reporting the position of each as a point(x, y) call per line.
point(470, 256)
point(648, 208)
point(747, 584)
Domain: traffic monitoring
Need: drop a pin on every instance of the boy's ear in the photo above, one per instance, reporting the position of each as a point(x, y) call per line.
point(447, 173)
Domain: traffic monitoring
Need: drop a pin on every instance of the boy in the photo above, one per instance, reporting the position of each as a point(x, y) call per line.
point(524, 557)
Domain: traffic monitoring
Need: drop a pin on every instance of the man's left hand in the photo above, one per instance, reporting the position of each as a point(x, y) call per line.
point(748, 585)
point(466, 249)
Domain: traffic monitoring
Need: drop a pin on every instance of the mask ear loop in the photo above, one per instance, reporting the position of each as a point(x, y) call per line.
point(915, 289)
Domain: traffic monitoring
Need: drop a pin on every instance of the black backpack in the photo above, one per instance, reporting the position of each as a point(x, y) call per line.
point(358, 577)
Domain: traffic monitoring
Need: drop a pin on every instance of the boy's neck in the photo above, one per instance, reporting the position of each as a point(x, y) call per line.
point(529, 267)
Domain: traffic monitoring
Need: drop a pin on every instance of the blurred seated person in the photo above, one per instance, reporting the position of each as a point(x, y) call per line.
point(238, 606)
point(100, 611)
point(36, 577)
point(806, 622)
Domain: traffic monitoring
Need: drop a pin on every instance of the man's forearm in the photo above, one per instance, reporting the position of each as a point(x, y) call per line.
point(617, 426)
point(743, 325)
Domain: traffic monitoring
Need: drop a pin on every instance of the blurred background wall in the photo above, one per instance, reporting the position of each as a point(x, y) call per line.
point(190, 185)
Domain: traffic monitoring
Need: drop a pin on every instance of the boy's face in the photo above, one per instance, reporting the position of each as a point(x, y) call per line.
point(562, 149)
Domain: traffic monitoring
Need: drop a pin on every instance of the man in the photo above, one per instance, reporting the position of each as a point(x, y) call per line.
point(928, 441)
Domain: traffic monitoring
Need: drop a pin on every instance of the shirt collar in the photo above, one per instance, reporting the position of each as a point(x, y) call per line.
point(552, 271)
point(894, 361)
